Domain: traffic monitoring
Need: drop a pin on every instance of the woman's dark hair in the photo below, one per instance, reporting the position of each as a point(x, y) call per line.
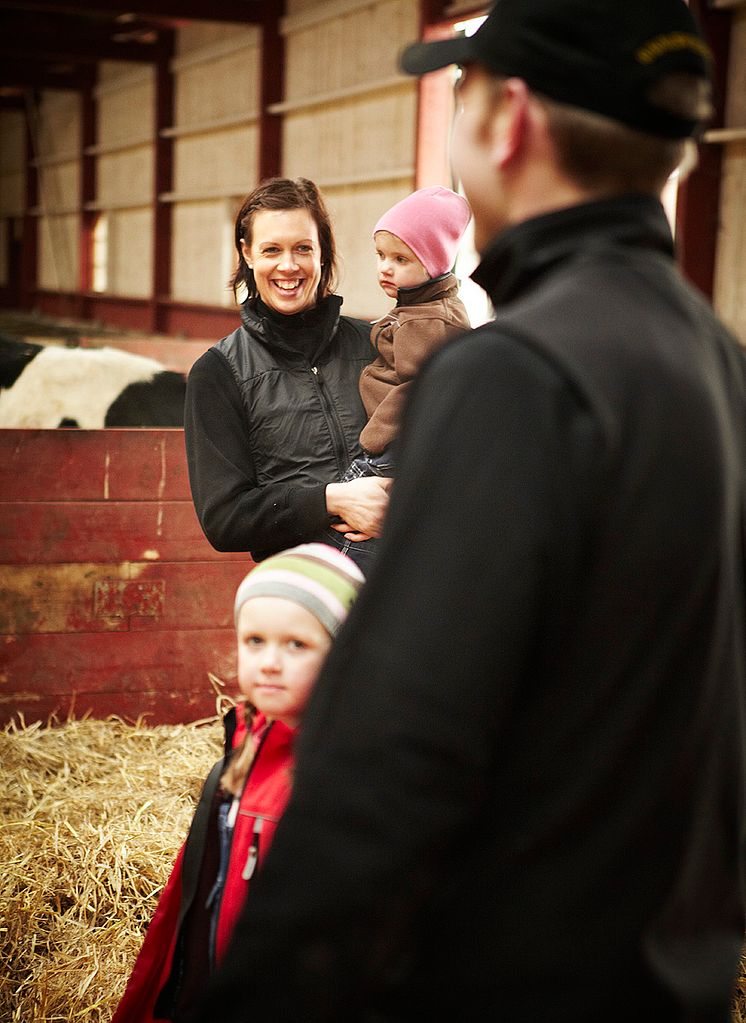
point(285, 194)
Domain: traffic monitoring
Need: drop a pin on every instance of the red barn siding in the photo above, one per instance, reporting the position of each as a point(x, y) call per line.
point(111, 599)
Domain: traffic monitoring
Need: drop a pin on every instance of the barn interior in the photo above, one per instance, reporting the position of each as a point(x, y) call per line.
point(130, 130)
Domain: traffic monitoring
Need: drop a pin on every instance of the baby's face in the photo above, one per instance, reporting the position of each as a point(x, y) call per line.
point(398, 267)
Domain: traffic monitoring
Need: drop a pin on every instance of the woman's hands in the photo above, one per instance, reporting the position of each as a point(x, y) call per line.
point(361, 505)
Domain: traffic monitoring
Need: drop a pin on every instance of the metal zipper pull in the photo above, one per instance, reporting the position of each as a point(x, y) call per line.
point(253, 854)
point(315, 370)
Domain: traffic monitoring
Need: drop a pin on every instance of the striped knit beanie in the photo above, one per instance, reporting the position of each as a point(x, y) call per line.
point(318, 577)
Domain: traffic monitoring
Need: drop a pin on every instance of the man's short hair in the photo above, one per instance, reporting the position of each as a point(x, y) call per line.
point(604, 155)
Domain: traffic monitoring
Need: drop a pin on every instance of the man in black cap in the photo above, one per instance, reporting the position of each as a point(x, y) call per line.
point(520, 786)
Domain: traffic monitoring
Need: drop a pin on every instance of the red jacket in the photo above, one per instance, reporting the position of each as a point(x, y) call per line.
point(173, 964)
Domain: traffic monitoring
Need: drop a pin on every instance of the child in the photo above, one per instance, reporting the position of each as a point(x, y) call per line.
point(416, 243)
point(287, 610)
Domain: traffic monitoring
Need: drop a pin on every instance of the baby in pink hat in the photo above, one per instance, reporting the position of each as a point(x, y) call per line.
point(416, 243)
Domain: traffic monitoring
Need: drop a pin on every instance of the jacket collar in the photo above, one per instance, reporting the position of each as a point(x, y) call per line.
point(519, 254)
point(320, 322)
point(432, 289)
point(234, 723)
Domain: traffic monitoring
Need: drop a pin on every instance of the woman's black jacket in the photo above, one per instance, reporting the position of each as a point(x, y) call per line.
point(273, 414)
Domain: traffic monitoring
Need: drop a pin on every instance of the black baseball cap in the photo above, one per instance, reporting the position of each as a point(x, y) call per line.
point(601, 55)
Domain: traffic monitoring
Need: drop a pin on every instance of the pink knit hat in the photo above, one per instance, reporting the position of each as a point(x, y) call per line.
point(431, 221)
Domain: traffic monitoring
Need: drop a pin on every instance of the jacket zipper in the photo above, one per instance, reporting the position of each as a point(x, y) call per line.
point(219, 899)
point(339, 444)
point(253, 854)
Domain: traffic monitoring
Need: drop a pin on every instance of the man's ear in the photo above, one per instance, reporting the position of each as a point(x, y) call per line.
point(509, 122)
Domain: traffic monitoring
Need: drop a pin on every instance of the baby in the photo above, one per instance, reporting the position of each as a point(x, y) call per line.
point(416, 243)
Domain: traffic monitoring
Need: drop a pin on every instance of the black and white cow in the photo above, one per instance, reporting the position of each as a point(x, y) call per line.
point(46, 386)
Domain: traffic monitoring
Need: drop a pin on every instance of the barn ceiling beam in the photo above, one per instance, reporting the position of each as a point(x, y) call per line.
point(12, 102)
point(21, 75)
point(64, 47)
point(252, 11)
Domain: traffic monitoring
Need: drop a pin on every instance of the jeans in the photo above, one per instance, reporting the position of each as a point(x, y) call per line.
point(370, 465)
point(362, 552)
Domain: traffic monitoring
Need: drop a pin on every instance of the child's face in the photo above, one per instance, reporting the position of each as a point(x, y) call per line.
point(398, 267)
point(281, 648)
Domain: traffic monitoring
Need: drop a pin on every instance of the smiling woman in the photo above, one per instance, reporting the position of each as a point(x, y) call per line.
point(273, 413)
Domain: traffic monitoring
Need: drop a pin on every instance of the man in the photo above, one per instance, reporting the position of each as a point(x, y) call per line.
point(519, 792)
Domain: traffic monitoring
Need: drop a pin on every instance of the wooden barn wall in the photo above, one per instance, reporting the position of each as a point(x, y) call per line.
point(124, 175)
point(349, 122)
point(56, 147)
point(216, 84)
point(730, 265)
point(12, 182)
point(111, 599)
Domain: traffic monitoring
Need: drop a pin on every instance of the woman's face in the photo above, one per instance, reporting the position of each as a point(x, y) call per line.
point(285, 255)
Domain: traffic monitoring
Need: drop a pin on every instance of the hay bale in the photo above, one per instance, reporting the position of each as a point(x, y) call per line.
point(93, 814)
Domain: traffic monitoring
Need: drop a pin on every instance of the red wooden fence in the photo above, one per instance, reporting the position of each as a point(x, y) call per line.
point(111, 599)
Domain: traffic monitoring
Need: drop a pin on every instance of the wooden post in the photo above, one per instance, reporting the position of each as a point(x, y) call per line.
point(163, 182)
point(435, 102)
point(29, 268)
point(698, 203)
point(88, 135)
point(434, 116)
point(271, 90)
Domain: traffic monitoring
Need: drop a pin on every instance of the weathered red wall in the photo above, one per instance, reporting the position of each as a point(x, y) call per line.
point(111, 599)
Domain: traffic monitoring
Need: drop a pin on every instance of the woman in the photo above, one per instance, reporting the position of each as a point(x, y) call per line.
point(273, 412)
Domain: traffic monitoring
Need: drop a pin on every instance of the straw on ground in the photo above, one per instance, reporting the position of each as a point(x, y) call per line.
point(93, 814)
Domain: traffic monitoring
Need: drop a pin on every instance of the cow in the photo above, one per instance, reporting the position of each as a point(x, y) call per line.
point(48, 386)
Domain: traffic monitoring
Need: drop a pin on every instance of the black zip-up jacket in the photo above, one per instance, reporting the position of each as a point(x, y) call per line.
point(272, 416)
point(519, 792)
